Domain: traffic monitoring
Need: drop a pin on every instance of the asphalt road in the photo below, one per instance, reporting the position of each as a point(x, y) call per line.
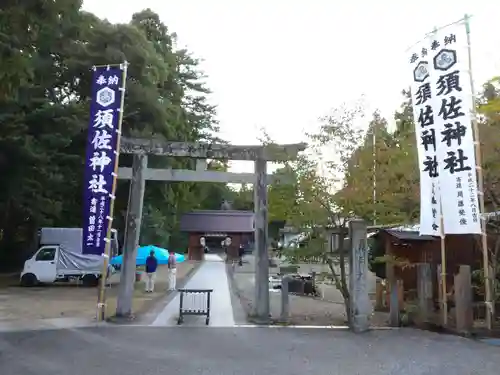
point(222, 351)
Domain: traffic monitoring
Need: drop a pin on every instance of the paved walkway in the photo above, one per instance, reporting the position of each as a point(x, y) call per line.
point(210, 275)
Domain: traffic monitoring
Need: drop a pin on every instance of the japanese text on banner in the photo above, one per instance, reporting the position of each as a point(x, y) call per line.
point(452, 92)
point(101, 155)
point(423, 112)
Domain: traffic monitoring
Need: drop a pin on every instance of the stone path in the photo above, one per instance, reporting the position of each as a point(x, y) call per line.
point(210, 275)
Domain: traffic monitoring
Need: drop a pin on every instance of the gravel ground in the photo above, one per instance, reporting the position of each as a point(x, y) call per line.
point(242, 351)
point(72, 301)
point(303, 310)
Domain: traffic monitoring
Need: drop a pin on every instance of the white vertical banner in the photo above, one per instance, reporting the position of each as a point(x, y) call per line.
point(423, 114)
point(452, 106)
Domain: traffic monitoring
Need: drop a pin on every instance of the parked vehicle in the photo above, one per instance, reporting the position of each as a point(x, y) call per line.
point(60, 259)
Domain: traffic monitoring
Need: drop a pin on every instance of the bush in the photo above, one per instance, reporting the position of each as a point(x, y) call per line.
point(376, 250)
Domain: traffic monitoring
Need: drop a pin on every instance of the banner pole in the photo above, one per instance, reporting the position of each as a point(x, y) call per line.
point(444, 289)
point(374, 152)
point(489, 310)
point(101, 301)
point(444, 297)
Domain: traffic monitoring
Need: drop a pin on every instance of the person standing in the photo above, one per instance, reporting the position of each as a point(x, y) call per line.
point(151, 266)
point(241, 253)
point(172, 271)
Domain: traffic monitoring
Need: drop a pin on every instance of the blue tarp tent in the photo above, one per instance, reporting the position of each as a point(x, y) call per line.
point(143, 253)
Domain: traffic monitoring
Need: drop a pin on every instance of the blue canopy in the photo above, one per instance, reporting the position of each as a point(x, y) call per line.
point(144, 251)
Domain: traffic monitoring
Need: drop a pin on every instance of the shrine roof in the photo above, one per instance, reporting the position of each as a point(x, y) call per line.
point(227, 221)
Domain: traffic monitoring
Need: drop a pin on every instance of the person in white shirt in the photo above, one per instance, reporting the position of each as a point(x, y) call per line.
point(172, 271)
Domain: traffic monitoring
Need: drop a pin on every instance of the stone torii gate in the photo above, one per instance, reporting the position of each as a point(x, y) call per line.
point(140, 173)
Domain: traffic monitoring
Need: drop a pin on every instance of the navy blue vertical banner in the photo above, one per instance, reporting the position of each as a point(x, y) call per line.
point(101, 155)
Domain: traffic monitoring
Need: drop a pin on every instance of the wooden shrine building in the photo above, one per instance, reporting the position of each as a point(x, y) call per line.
point(213, 227)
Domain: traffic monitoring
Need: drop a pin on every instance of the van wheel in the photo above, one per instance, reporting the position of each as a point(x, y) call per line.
point(90, 280)
point(28, 280)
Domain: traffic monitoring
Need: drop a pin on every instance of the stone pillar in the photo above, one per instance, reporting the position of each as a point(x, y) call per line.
point(424, 291)
point(463, 299)
point(360, 304)
point(134, 220)
point(285, 299)
point(262, 308)
point(379, 295)
point(394, 307)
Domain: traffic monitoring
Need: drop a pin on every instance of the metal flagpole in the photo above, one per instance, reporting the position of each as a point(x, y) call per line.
point(480, 182)
point(101, 302)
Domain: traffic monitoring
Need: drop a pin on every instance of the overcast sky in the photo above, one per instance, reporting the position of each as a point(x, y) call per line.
point(281, 64)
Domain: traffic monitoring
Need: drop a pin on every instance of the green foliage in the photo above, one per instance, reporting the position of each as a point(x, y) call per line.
point(243, 198)
point(376, 251)
point(310, 202)
point(392, 164)
point(489, 131)
point(396, 169)
point(47, 51)
point(334, 181)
